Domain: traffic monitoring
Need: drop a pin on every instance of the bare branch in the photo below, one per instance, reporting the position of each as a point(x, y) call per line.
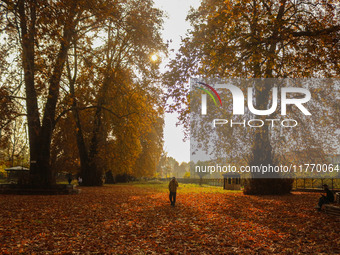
point(325, 31)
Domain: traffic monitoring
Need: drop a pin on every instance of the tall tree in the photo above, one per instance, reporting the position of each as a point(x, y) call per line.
point(120, 64)
point(44, 31)
point(258, 39)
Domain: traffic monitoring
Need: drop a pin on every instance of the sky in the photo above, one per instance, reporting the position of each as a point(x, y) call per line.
point(175, 26)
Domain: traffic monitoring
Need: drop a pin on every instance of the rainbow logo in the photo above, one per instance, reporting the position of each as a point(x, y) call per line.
point(209, 93)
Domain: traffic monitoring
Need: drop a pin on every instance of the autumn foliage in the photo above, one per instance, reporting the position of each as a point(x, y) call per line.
point(81, 74)
point(135, 220)
point(259, 39)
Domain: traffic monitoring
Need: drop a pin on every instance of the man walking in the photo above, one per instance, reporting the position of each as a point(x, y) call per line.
point(173, 184)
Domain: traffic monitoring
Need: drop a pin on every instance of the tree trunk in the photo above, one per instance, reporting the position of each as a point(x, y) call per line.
point(40, 135)
point(90, 173)
point(262, 149)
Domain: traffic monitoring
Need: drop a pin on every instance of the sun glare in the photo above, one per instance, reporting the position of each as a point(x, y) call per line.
point(154, 57)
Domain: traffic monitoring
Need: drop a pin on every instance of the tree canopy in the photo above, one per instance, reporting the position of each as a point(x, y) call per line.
point(84, 70)
point(261, 39)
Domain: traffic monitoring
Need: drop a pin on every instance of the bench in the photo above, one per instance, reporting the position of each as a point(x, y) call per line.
point(332, 209)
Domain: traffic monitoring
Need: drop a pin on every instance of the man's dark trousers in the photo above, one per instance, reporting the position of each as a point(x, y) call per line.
point(172, 198)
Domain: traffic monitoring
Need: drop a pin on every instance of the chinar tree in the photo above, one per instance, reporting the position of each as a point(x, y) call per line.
point(258, 39)
point(43, 32)
point(114, 95)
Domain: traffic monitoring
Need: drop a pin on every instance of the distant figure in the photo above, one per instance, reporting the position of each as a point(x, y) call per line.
point(329, 198)
point(173, 184)
point(69, 179)
point(80, 180)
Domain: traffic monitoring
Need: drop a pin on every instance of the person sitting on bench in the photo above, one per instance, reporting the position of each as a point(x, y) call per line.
point(329, 198)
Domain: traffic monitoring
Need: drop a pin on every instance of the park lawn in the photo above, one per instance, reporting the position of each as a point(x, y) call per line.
point(137, 219)
point(159, 186)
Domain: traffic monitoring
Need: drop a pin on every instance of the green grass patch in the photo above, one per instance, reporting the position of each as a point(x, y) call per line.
point(182, 187)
